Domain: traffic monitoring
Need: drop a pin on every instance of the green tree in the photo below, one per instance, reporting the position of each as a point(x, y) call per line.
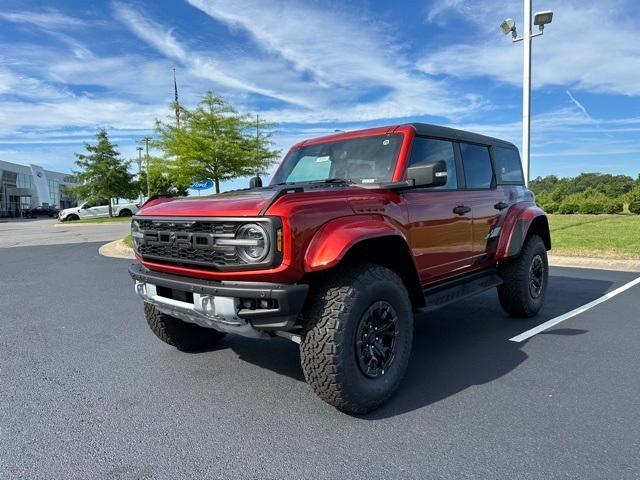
point(163, 179)
point(214, 141)
point(103, 174)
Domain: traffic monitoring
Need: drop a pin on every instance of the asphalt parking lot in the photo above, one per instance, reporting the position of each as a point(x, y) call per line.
point(22, 233)
point(88, 392)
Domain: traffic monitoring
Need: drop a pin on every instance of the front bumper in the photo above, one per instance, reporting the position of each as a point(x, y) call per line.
point(235, 307)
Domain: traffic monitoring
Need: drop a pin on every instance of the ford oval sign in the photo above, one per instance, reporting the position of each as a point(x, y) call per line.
point(202, 185)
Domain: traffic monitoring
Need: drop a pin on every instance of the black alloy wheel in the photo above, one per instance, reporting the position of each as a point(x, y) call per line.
point(536, 276)
point(376, 339)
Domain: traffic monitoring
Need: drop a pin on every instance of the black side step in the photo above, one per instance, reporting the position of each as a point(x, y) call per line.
point(444, 294)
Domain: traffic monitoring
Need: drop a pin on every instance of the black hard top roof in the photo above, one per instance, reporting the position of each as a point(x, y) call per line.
point(430, 130)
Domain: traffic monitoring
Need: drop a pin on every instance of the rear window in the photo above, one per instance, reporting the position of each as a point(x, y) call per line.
point(478, 172)
point(508, 165)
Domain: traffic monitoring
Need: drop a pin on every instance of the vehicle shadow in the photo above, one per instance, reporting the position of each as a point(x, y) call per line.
point(454, 348)
point(468, 344)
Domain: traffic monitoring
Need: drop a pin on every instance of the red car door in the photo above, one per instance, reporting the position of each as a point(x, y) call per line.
point(440, 224)
point(487, 200)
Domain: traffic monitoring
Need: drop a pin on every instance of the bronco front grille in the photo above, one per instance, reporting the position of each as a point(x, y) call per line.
point(192, 241)
point(196, 226)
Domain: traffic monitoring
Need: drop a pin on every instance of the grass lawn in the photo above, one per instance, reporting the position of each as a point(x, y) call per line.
point(609, 236)
point(128, 241)
point(102, 220)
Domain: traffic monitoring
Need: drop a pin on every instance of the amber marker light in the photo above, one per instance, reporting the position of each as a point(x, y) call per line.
point(279, 240)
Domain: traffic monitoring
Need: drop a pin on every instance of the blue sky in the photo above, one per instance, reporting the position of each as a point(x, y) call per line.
point(70, 67)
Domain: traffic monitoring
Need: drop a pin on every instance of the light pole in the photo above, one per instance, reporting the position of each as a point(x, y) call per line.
point(540, 19)
point(139, 149)
point(146, 140)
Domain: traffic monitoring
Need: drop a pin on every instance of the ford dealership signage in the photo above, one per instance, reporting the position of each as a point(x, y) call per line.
point(202, 185)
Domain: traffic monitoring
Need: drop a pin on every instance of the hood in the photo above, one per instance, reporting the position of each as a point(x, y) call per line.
point(69, 210)
point(242, 203)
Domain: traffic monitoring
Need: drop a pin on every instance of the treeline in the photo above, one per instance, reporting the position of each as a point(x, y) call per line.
point(590, 193)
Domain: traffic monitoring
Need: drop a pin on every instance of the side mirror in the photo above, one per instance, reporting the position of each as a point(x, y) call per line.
point(433, 174)
point(255, 182)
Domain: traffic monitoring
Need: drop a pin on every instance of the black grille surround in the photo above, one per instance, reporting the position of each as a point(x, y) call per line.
point(191, 241)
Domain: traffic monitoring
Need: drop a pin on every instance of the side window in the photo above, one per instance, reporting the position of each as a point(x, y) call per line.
point(508, 165)
point(427, 150)
point(478, 172)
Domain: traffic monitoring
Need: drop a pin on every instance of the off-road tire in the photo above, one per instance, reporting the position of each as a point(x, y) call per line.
point(332, 316)
point(514, 293)
point(186, 337)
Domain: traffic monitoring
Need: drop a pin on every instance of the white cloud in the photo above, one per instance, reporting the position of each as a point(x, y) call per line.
point(199, 65)
point(441, 8)
point(27, 87)
point(353, 64)
point(590, 46)
point(336, 47)
point(75, 112)
point(48, 19)
point(579, 105)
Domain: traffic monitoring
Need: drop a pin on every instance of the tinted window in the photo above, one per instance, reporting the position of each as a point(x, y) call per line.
point(508, 165)
point(478, 172)
point(427, 150)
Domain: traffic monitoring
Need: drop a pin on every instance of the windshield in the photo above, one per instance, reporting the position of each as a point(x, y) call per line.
point(359, 160)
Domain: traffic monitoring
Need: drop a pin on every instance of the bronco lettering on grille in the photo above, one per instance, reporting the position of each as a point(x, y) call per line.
point(180, 239)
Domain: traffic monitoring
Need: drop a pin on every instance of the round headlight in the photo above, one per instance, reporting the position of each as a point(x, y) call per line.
point(136, 234)
point(253, 243)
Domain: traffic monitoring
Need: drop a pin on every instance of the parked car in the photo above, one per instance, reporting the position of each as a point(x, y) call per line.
point(42, 211)
point(89, 210)
point(355, 233)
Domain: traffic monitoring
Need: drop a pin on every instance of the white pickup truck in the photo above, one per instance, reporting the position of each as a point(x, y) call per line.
point(88, 210)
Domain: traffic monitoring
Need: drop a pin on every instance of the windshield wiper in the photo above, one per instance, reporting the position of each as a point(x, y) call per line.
point(326, 180)
point(332, 180)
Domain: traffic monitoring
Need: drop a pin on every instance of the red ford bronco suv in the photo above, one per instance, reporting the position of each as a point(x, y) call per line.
point(355, 233)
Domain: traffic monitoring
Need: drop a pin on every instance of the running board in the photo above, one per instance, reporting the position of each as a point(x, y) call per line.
point(441, 295)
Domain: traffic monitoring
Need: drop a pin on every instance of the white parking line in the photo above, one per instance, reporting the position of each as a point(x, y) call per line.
point(554, 321)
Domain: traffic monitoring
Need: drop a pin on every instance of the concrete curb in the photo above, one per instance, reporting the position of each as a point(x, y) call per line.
point(599, 263)
point(116, 249)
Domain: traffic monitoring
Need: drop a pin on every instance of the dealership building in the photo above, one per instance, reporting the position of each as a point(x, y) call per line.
point(23, 187)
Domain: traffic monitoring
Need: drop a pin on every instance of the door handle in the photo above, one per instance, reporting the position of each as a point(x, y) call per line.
point(461, 210)
point(501, 205)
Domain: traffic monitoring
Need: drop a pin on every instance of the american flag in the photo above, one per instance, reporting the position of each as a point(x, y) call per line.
point(175, 95)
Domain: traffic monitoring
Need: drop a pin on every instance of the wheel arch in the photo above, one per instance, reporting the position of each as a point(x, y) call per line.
point(516, 231)
point(368, 240)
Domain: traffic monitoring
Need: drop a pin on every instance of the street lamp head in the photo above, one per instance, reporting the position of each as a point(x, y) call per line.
point(509, 25)
point(543, 18)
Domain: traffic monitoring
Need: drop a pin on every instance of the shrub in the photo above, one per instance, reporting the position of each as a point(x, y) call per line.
point(633, 198)
point(591, 205)
point(613, 206)
point(568, 207)
point(550, 206)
